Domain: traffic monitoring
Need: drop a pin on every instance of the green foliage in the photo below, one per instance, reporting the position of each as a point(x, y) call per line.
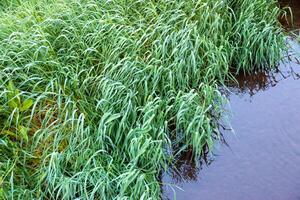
point(8, 4)
point(14, 114)
point(98, 97)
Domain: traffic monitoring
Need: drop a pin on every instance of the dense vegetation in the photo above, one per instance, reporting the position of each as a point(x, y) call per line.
point(97, 97)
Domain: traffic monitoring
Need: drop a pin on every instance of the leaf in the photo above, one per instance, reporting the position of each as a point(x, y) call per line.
point(13, 96)
point(9, 133)
point(10, 95)
point(112, 118)
point(3, 143)
point(11, 86)
point(23, 133)
point(1, 193)
point(26, 104)
point(12, 104)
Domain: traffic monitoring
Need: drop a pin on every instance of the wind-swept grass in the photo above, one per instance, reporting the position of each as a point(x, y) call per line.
point(98, 97)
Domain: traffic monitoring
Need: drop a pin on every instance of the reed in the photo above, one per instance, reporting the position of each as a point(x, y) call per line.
point(98, 97)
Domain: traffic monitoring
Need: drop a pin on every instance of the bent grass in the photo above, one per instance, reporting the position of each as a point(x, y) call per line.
point(111, 87)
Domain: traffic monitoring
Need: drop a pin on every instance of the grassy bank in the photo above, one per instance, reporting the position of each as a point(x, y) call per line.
point(98, 97)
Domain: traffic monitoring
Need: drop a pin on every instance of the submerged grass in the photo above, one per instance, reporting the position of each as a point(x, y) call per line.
point(98, 97)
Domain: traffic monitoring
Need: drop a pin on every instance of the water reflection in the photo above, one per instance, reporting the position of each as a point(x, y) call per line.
point(262, 81)
point(294, 22)
point(184, 169)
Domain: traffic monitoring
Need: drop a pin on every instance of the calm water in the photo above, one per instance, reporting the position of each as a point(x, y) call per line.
point(262, 159)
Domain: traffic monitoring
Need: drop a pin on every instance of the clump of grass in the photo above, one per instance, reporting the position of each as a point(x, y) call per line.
point(98, 97)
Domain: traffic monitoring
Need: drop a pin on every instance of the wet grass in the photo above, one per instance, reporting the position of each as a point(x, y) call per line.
point(98, 97)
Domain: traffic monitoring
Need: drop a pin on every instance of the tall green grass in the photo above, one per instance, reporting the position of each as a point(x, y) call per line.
point(98, 97)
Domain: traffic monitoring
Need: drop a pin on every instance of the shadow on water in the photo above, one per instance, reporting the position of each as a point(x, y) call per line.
point(262, 160)
point(262, 81)
point(294, 22)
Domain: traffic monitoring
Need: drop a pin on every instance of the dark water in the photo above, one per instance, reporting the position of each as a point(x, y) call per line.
point(294, 22)
point(262, 159)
